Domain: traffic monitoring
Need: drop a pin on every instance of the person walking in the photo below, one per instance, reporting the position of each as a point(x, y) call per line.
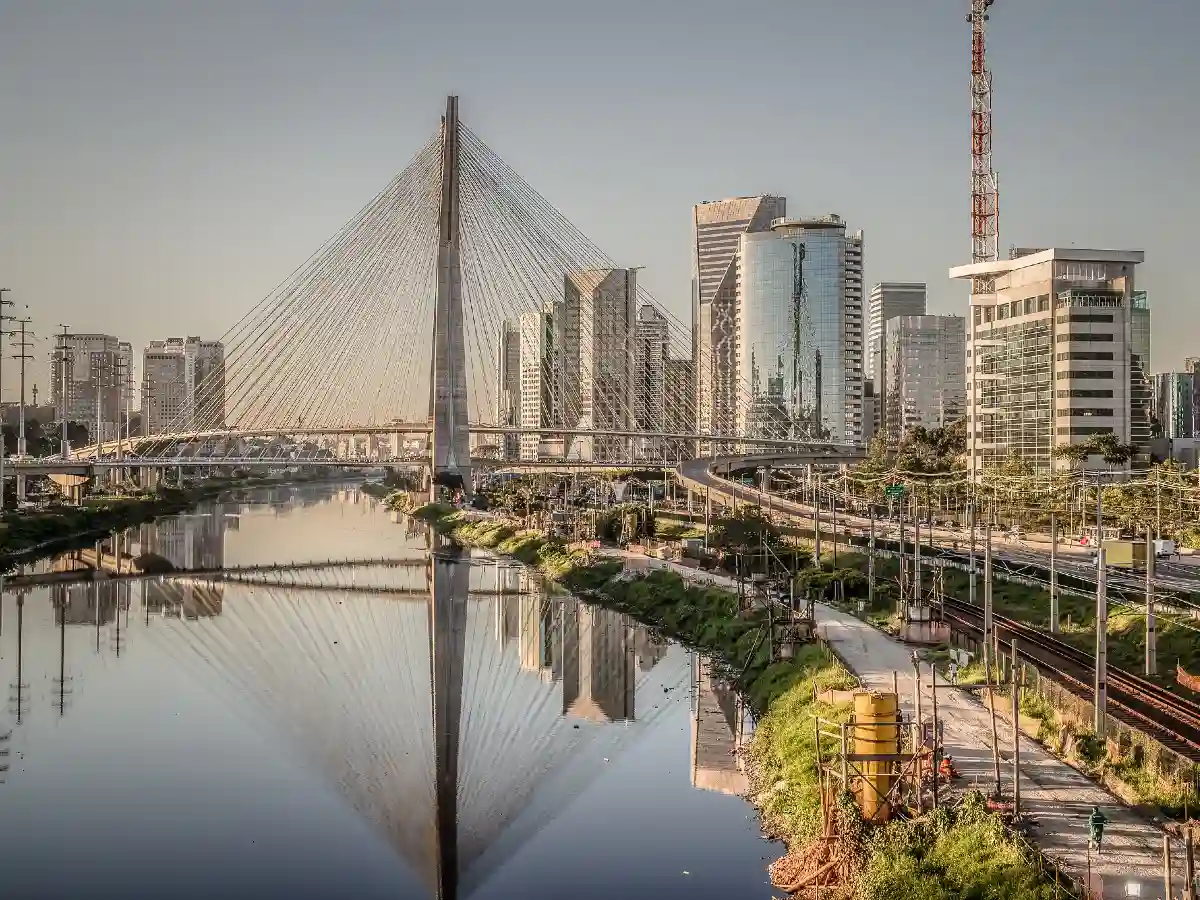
point(953, 670)
point(1096, 822)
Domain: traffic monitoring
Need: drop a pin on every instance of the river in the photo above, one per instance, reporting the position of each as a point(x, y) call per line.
point(333, 732)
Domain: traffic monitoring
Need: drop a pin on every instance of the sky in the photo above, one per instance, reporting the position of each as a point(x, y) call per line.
point(164, 164)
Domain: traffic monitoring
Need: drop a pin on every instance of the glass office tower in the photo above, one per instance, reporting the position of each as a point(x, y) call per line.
point(800, 331)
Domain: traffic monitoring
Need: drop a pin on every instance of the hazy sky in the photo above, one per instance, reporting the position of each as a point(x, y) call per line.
point(164, 164)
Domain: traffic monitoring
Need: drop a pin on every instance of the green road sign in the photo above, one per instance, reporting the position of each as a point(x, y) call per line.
point(894, 490)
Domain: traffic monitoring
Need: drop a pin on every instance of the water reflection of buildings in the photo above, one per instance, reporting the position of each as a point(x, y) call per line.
point(90, 602)
point(597, 654)
point(524, 687)
point(718, 716)
point(188, 542)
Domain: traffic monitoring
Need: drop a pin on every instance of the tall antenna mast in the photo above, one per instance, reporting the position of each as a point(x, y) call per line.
point(985, 193)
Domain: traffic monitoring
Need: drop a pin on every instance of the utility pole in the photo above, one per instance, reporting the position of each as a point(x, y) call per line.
point(817, 528)
point(918, 725)
point(1053, 574)
point(871, 560)
point(62, 387)
point(1166, 866)
point(3, 449)
point(987, 601)
point(1016, 731)
point(987, 641)
point(1151, 630)
point(1101, 686)
point(833, 513)
point(22, 347)
point(937, 744)
point(903, 578)
point(1189, 866)
point(971, 566)
point(916, 553)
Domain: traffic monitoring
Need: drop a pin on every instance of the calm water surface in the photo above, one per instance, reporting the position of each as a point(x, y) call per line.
point(430, 727)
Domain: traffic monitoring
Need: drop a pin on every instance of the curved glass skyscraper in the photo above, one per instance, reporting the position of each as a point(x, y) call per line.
point(800, 330)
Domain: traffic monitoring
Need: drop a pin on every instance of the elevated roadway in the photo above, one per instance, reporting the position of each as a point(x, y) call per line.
point(704, 476)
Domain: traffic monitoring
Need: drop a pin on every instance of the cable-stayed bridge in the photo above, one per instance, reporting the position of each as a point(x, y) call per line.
point(458, 317)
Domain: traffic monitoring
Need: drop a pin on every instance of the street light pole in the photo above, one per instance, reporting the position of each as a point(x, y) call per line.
point(3, 449)
point(22, 346)
point(62, 387)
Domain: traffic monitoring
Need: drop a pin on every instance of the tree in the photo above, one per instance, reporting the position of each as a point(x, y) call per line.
point(1111, 450)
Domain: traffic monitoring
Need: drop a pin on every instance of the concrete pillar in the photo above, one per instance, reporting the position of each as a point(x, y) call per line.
point(448, 400)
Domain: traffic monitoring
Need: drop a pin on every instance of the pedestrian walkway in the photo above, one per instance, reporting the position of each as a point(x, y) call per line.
point(1055, 796)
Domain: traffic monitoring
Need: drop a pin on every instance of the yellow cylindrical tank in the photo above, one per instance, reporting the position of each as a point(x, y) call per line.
point(875, 733)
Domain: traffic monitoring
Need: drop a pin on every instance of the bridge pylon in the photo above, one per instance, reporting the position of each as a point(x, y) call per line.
point(451, 440)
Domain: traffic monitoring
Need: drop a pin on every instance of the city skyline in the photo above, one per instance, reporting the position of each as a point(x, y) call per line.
point(220, 243)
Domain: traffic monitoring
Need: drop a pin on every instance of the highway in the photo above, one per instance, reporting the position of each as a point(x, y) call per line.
point(1073, 559)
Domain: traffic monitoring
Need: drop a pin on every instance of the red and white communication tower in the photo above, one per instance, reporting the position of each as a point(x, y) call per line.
point(985, 194)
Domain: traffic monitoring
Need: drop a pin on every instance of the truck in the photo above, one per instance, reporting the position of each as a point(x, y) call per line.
point(1121, 554)
point(1164, 548)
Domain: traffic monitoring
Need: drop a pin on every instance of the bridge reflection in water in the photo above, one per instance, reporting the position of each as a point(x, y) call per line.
point(459, 721)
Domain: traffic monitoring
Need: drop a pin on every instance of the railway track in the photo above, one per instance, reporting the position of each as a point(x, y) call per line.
point(1171, 720)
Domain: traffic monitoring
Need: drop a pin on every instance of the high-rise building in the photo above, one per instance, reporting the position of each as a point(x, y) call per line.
point(1177, 413)
point(508, 386)
point(924, 376)
point(679, 386)
point(598, 354)
point(651, 350)
point(542, 389)
point(183, 386)
point(1177, 403)
point(799, 331)
point(887, 299)
point(718, 227)
point(90, 381)
point(1057, 351)
point(1191, 364)
point(870, 411)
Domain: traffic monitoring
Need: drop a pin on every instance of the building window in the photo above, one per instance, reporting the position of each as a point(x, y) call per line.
point(1084, 373)
point(1084, 430)
point(1090, 411)
point(1085, 393)
point(1087, 355)
point(1043, 303)
point(1085, 337)
point(1093, 318)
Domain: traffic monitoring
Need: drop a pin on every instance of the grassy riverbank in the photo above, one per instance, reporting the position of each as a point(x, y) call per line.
point(27, 534)
point(950, 853)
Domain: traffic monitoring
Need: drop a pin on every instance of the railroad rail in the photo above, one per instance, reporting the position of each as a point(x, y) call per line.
point(1171, 720)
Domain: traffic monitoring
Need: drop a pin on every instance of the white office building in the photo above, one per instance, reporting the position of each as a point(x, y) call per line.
point(91, 381)
point(183, 386)
point(924, 376)
point(508, 386)
point(1057, 352)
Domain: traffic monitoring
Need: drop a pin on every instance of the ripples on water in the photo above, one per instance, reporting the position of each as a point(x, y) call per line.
point(437, 726)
